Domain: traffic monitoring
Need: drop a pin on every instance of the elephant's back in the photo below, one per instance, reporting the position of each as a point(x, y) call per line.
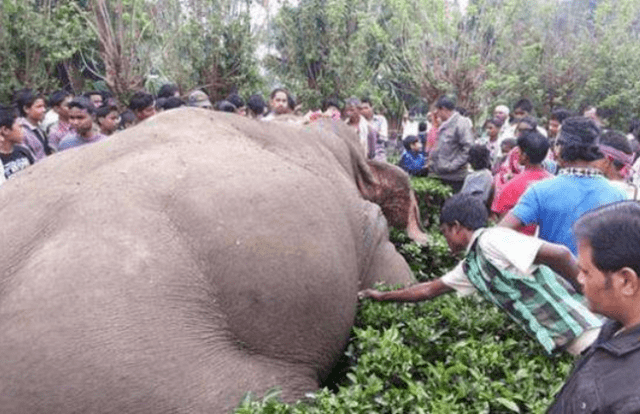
point(159, 251)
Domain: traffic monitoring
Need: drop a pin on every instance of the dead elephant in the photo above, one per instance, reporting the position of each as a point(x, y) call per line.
point(184, 262)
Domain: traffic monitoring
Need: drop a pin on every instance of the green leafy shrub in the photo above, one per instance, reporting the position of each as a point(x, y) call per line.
point(448, 355)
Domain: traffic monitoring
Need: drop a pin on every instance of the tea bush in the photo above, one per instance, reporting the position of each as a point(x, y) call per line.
point(448, 355)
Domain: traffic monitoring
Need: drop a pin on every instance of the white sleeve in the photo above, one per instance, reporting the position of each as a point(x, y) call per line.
point(384, 129)
point(507, 248)
point(456, 279)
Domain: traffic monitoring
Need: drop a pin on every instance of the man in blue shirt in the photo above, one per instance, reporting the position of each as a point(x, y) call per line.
point(556, 204)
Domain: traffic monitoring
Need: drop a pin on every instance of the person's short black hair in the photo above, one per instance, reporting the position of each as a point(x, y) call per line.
point(616, 140)
point(466, 209)
point(560, 114)
point(534, 145)
point(634, 127)
point(493, 121)
point(224, 106)
point(445, 102)
point(105, 110)
point(8, 115)
point(613, 232)
point(366, 99)
point(256, 104)
point(57, 97)
point(25, 98)
point(167, 90)
point(529, 120)
point(408, 140)
point(333, 101)
point(81, 102)
point(127, 117)
point(523, 104)
point(604, 113)
point(236, 100)
point(140, 100)
point(479, 157)
point(511, 142)
point(171, 102)
point(422, 126)
point(579, 139)
point(462, 111)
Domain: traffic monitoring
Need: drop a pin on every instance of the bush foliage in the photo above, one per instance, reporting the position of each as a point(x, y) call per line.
point(448, 355)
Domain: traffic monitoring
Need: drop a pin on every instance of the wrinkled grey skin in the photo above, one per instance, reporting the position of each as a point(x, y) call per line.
point(182, 263)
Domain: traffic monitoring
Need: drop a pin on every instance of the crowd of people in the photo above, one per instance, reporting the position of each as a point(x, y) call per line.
point(555, 194)
point(564, 252)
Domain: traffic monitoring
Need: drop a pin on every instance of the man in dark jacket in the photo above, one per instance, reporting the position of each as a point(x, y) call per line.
point(449, 160)
point(605, 379)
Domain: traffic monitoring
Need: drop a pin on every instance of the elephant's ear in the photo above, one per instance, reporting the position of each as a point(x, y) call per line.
point(392, 191)
point(366, 181)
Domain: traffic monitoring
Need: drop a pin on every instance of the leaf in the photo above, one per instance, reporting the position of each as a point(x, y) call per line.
point(508, 404)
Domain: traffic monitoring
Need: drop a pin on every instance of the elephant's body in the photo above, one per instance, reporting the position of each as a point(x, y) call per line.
point(182, 263)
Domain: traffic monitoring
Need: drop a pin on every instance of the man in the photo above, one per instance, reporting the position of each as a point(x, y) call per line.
point(359, 125)
point(143, 105)
point(378, 126)
point(519, 274)
point(555, 204)
point(449, 159)
point(605, 379)
point(617, 160)
point(81, 113)
point(279, 104)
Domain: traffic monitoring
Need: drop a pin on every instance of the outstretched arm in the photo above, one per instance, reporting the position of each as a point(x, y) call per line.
point(415, 293)
point(560, 259)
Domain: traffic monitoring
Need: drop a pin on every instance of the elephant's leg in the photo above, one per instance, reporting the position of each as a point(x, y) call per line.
point(384, 263)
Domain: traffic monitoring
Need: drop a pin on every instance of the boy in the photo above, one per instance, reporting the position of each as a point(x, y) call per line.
point(14, 157)
point(506, 267)
point(143, 105)
point(412, 160)
point(533, 150)
point(108, 119)
point(606, 379)
point(81, 113)
point(32, 108)
point(59, 103)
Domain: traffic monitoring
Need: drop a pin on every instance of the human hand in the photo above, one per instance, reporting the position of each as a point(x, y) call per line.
point(369, 293)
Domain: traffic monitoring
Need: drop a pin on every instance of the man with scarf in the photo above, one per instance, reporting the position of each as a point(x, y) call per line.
point(556, 204)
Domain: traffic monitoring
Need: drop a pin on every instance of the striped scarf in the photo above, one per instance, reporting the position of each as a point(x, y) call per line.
point(546, 306)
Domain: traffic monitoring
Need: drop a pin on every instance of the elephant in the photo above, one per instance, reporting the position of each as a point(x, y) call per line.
point(181, 263)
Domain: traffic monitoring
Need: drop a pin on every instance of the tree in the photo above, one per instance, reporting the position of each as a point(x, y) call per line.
point(38, 40)
point(207, 44)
